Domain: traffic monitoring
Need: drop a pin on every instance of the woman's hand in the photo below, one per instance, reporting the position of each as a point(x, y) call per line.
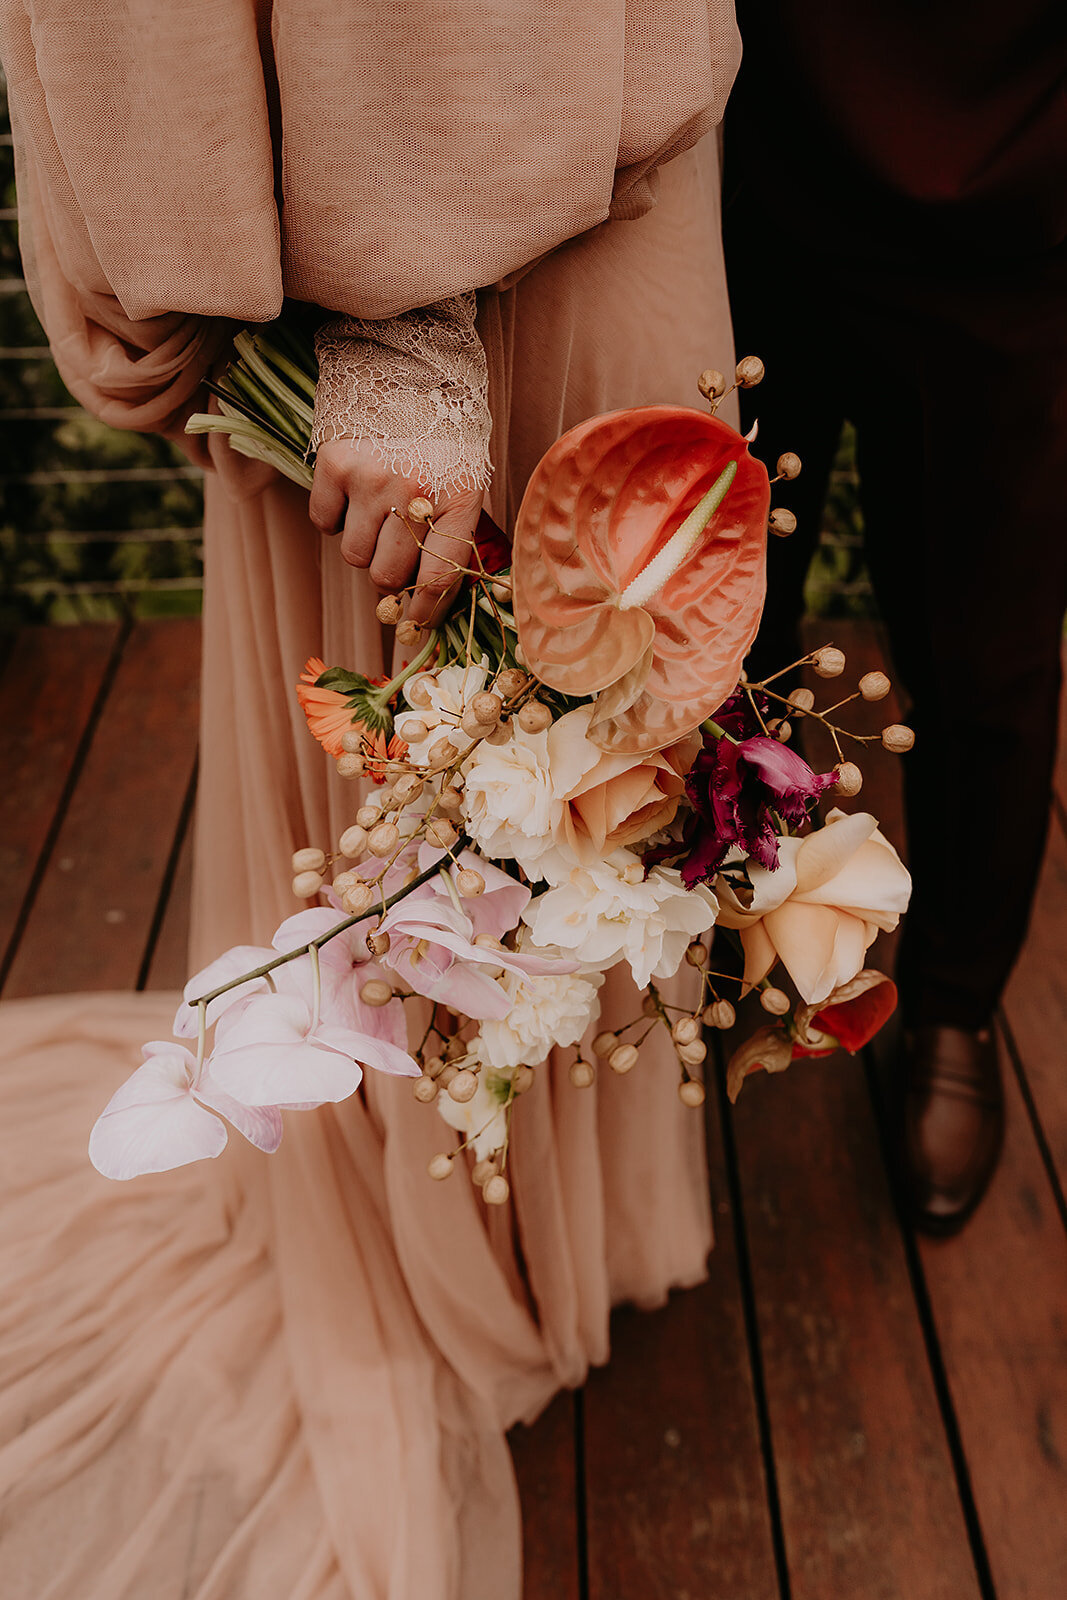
point(354, 494)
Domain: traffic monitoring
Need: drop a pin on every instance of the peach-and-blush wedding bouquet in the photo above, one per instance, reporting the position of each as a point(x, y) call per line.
point(570, 774)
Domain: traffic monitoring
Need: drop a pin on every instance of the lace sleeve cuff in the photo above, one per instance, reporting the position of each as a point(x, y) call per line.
point(415, 387)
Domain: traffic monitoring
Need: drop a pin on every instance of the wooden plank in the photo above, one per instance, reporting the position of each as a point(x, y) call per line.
point(1035, 1003)
point(49, 687)
point(546, 1469)
point(868, 1494)
point(998, 1292)
point(1060, 778)
point(169, 965)
point(999, 1297)
point(92, 915)
point(676, 1503)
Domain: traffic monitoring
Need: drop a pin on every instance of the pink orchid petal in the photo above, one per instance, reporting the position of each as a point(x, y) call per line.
point(264, 1074)
point(498, 909)
point(417, 968)
point(465, 989)
point(260, 1125)
point(533, 966)
point(302, 927)
point(339, 952)
point(164, 1062)
point(152, 1124)
point(377, 1053)
point(231, 964)
point(267, 1019)
point(433, 904)
point(434, 934)
point(380, 1022)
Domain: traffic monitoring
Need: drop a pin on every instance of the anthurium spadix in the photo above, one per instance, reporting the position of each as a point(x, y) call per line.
point(640, 569)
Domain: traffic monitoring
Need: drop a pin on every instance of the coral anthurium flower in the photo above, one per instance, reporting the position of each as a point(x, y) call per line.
point(639, 569)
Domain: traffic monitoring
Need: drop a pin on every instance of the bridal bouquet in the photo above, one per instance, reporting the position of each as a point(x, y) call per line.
point(570, 774)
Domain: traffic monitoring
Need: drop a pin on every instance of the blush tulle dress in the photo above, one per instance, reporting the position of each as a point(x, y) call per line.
point(289, 1378)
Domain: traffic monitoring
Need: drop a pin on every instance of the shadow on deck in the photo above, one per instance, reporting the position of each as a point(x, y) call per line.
point(842, 1412)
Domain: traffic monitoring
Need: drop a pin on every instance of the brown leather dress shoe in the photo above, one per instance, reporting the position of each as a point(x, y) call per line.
point(953, 1124)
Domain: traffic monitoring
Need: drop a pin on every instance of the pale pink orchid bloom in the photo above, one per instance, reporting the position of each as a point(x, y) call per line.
point(162, 1117)
point(432, 939)
point(231, 964)
point(346, 964)
point(282, 1049)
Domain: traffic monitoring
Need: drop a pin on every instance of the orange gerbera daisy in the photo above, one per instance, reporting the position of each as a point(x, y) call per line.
point(331, 713)
point(326, 710)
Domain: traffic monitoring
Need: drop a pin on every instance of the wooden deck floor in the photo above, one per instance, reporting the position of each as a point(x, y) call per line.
point(842, 1412)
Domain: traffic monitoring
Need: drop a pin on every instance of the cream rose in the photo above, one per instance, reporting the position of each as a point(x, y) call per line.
point(819, 912)
point(609, 801)
point(510, 808)
point(554, 800)
point(610, 912)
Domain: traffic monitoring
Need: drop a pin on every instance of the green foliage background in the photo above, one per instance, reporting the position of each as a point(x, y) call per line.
point(79, 550)
point(66, 551)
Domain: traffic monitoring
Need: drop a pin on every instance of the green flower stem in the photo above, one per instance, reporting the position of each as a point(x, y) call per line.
point(296, 378)
point(299, 348)
point(313, 952)
point(388, 690)
point(268, 967)
point(501, 613)
point(453, 893)
point(246, 348)
point(230, 406)
point(201, 1034)
point(717, 731)
point(250, 388)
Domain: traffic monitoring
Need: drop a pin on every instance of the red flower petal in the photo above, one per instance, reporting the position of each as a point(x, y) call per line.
point(851, 1021)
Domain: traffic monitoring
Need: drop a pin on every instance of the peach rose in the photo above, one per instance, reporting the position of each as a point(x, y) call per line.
point(610, 801)
point(833, 891)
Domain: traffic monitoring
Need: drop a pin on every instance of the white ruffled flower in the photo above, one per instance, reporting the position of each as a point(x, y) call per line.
point(449, 690)
point(510, 807)
point(482, 1118)
point(554, 800)
point(554, 1009)
point(611, 912)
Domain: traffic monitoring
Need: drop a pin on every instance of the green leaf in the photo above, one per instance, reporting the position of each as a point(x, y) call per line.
point(343, 681)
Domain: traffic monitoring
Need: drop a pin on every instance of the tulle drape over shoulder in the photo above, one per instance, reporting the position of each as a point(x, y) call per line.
point(202, 157)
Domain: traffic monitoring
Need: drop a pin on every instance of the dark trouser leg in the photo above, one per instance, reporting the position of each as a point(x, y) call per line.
point(799, 406)
point(962, 482)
